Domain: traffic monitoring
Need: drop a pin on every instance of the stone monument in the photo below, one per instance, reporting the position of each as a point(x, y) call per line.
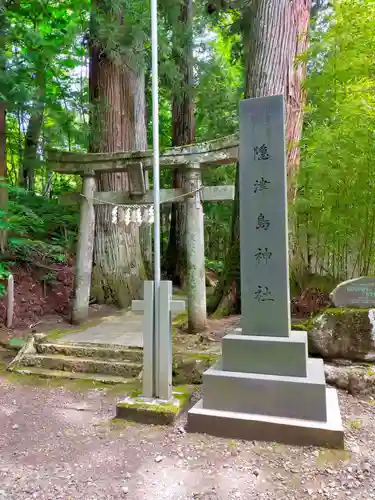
point(355, 293)
point(265, 387)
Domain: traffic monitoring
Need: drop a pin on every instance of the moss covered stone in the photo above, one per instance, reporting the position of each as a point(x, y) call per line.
point(188, 368)
point(304, 325)
point(153, 411)
point(343, 333)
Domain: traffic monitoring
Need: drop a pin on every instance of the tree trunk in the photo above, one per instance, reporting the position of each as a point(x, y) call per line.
point(3, 172)
point(117, 124)
point(34, 128)
point(30, 156)
point(183, 132)
point(3, 135)
point(274, 35)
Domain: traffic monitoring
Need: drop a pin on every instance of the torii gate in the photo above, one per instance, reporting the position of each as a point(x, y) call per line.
point(192, 158)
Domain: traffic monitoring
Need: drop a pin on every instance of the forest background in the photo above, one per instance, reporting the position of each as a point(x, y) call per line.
point(60, 60)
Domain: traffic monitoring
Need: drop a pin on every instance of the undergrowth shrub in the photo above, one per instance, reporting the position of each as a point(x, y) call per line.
point(39, 229)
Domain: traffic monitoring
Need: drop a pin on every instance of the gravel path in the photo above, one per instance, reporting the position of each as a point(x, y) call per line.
point(60, 445)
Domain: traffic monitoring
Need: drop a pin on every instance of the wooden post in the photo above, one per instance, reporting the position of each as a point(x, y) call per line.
point(84, 252)
point(196, 270)
point(10, 301)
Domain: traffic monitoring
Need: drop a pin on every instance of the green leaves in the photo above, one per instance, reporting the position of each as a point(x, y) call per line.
point(335, 209)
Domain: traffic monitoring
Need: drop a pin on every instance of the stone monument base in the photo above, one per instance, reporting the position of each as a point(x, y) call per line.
point(267, 389)
point(253, 427)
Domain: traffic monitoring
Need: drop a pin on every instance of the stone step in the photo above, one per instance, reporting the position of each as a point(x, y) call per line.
point(82, 365)
point(43, 373)
point(112, 352)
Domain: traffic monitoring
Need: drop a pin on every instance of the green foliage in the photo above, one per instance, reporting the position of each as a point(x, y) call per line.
point(39, 228)
point(4, 273)
point(215, 265)
point(335, 210)
point(46, 56)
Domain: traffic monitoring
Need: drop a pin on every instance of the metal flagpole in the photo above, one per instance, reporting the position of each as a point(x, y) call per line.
point(156, 187)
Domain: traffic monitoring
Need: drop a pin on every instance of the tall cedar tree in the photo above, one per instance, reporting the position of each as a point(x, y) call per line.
point(183, 132)
point(3, 157)
point(274, 36)
point(117, 98)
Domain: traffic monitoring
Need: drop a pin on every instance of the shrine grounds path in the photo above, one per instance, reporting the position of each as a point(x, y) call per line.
point(60, 444)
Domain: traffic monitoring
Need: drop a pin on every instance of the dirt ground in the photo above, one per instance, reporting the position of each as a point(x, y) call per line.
point(57, 444)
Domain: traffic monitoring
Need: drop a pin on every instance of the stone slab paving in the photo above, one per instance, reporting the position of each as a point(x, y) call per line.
point(121, 329)
point(124, 328)
point(60, 445)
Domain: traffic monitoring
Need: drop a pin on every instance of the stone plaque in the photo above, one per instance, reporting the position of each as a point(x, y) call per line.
point(358, 292)
point(263, 218)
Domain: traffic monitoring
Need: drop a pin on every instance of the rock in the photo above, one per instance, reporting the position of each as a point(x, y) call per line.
point(39, 337)
point(343, 333)
point(355, 379)
point(158, 459)
point(188, 368)
point(357, 292)
point(125, 490)
point(15, 427)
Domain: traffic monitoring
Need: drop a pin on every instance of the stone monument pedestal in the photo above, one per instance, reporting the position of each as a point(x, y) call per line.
point(267, 389)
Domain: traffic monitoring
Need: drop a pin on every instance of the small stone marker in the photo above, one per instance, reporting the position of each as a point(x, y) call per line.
point(356, 293)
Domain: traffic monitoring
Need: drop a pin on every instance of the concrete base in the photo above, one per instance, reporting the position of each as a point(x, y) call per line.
point(247, 426)
point(288, 397)
point(285, 356)
point(154, 411)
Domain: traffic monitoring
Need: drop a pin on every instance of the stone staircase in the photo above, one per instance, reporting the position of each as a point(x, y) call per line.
point(109, 364)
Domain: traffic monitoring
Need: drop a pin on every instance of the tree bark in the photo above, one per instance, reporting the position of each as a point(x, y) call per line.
point(3, 172)
point(274, 35)
point(30, 156)
point(34, 128)
point(3, 134)
point(183, 132)
point(117, 124)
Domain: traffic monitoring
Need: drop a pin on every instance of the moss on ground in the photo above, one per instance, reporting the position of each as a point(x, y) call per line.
point(221, 312)
point(183, 393)
point(341, 311)
point(333, 458)
point(209, 357)
point(180, 320)
point(119, 424)
point(355, 424)
point(58, 334)
point(74, 385)
point(304, 325)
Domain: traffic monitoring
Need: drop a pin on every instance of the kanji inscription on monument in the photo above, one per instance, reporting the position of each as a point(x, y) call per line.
point(264, 243)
